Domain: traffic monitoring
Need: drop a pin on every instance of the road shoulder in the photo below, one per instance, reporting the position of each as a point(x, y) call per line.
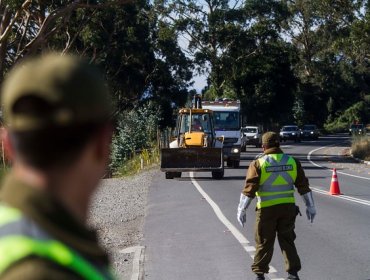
point(117, 212)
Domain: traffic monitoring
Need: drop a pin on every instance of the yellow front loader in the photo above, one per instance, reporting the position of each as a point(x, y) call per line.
point(194, 147)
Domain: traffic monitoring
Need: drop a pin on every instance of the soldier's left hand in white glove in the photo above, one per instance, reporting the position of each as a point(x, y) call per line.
point(242, 209)
point(310, 210)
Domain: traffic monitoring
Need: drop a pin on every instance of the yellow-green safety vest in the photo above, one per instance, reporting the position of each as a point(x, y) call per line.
point(20, 238)
point(278, 174)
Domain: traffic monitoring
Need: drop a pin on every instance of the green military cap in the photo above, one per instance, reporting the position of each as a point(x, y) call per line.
point(54, 90)
point(270, 138)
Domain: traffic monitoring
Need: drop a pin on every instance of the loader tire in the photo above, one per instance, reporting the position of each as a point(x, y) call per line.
point(170, 175)
point(218, 174)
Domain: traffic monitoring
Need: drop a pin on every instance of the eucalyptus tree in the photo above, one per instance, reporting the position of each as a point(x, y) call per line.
point(318, 29)
point(207, 29)
point(27, 26)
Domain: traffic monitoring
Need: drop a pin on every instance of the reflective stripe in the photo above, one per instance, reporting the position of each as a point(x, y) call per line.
point(26, 226)
point(269, 194)
point(51, 250)
point(20, 238)
point(268, 179)
point(278, 174)
point(272, 188)
point(275, 202)
point(8, 215)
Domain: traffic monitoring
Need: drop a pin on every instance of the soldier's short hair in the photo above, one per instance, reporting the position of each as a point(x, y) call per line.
point(270, 139)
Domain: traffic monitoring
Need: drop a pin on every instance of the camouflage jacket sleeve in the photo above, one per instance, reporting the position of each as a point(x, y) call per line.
point(301, 182)
point(252, 179)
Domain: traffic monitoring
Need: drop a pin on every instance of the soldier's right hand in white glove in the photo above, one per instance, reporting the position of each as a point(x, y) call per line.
point(310, 210)
point(242, 216)
point(242, 209)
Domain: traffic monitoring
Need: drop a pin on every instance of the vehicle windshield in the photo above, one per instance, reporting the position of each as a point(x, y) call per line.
point(289, 128)
point(250, 130)
point(199, 122)
point(357, 126)
point(226, 120)
point(309, 127)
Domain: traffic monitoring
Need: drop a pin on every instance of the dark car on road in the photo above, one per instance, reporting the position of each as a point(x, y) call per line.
point(290, 132)
point(309, 131)
point(357, 129)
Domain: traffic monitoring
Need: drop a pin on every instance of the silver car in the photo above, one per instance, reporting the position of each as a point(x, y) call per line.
point(290, 132)
point(251, 135)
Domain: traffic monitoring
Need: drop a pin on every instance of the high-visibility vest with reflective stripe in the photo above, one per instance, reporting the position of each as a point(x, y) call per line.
point(278, 174)
point(21, 238)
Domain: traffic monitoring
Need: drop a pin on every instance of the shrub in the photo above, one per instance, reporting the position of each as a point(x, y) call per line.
point(136, 130)
point(357, 112)
point(361, 147)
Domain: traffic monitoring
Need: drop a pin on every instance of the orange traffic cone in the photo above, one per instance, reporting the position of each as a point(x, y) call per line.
point(334, 186)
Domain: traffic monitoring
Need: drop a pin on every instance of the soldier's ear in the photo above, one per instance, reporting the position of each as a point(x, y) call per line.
point(7, 147)
point(104, 140)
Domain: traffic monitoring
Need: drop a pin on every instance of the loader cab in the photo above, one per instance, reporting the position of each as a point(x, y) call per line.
point(196, 122)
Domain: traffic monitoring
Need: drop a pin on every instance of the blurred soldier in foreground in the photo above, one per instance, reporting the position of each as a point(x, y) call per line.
point(272, 178)
point(57, 130)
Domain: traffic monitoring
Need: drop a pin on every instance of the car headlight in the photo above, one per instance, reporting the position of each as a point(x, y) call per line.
point(311, 132)
point(235, 150)
point(293, 133)
point(255, 136)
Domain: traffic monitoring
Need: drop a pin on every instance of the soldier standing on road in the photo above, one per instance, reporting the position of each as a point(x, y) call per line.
point(272, 178)
point(57, 130)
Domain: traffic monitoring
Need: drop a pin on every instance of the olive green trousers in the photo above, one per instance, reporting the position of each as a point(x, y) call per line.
point(271, 221)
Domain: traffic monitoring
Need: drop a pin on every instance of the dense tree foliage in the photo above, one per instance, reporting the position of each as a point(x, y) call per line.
point(140, 56)
point(285, 60)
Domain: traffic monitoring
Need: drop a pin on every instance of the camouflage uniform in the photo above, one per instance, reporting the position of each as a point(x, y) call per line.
point(76, 95)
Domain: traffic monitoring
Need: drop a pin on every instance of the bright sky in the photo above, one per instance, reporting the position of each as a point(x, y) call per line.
point(199, 82)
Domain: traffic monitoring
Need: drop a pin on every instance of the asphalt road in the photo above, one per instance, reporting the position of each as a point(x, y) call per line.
point(191, 231)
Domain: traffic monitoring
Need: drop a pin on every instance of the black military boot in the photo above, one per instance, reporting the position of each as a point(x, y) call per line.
point(260, 277)
point(292, 275)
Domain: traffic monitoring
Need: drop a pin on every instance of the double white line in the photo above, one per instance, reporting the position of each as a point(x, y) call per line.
point(349, 198)
point(344, 197)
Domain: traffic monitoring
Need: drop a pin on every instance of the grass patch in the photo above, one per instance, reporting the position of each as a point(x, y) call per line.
point(143, 160)
point(361, 147)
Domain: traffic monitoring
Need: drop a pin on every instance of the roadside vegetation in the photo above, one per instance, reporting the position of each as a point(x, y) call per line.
point(361, 147)
point(303, 62)
point(341, 123)
point(134, 144)
point(143, 160)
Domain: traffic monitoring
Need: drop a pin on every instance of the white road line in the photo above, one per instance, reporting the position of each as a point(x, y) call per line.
point(234, 231)
point(349, 198)
point(323, 167)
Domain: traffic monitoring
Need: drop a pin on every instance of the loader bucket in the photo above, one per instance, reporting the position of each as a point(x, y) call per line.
point(191, 159)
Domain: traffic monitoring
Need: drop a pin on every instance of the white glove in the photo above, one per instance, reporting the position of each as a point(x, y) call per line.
point(242, 208)
point(310, 210)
